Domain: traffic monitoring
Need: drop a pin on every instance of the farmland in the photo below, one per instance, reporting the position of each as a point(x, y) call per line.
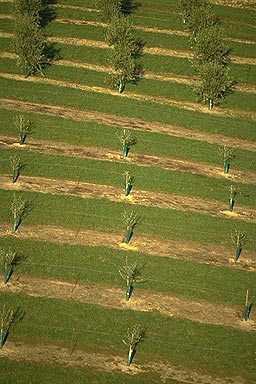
point(71, 313)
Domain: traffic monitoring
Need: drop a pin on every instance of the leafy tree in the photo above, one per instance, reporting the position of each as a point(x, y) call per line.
point(29, 44)
point(123, 56)
point(209, 47)
point(109, 9)
point(187, 7)
point(29, 7)
point(201, 18)
point(214, 83)
point(127, 139)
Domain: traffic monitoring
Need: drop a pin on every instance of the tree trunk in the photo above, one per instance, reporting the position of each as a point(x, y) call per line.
point(231, 204)
point(210, 104)
point(128, 235)
point(238, 252)
point(1, 339)
point(125, 150)
point(226, 166)
point(128, 188)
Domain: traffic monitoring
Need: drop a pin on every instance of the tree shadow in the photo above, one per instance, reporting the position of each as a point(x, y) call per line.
point(137, 54)
point(48, 13)
point(128, 6)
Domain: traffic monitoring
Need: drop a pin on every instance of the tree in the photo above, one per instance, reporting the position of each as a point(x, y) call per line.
point(214, 83)
point(239, 238)
point(29, 44)
point(24, 126)
point(126, 139)
point(29, 7)
point(128, 182)
point(18, 207)
point(6, 320)
point(134, 336)
point(131, 220)
point(109, 9)
point(130, 273)
point(8, 259)
point(232, 195)
point(123, 56)
point(209, 47)
point(227, 154)
point(187, 7)
point(16, 167)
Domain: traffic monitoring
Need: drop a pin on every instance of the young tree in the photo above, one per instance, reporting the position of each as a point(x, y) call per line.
point(128, 182)
point(16, 167)
point(232, 195)
point(127, 139)
point(109, 9)
point(227, 154)
point(131, 220)
point(29, 44)
point(122, 58)
point(6, 320)
point(130, 272)
point(8, 259)
point(134, 336)
point(18, 207)
point(24, 126)
point(248, 306)
point(239, 238)
point(214, 83)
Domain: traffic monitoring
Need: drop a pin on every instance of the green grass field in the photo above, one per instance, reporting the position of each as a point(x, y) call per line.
point(195, 350)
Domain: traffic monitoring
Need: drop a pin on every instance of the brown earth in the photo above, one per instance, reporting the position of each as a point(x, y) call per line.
point(138, 197)
point(73, 357)
point(132, 95)
point(141, 300)
point(106, 154)
point(126, 122)
point(146, 244)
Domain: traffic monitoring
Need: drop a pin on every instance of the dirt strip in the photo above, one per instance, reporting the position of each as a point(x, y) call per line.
point(126, 122)
point(73, 357)
point(174, 78)
point(141, 300)
point(134, 96)
point(138, 197)
point(150, 50)
point(107, 154)
point(146, 244)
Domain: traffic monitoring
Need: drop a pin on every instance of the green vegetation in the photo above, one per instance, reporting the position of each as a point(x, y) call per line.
point(97, 114)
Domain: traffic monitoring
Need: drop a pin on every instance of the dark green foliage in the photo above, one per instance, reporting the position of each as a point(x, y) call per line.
point(122, 58)
point(214, 83)
point(109, 9)
point(28, 8)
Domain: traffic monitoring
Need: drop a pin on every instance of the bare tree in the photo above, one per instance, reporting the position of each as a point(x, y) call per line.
point(127, 139)
point(8, 259)
point(134, 336)
point(130, 273)
point(6, 319)
point(239, 238)
point(18, 207)
point(131, 220)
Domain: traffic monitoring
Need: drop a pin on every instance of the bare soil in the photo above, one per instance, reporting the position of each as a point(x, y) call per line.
point(148, 245)
point(138, 197)
point(73, 357)
point(132, 95)
point(141, 300)
point(126, 122)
